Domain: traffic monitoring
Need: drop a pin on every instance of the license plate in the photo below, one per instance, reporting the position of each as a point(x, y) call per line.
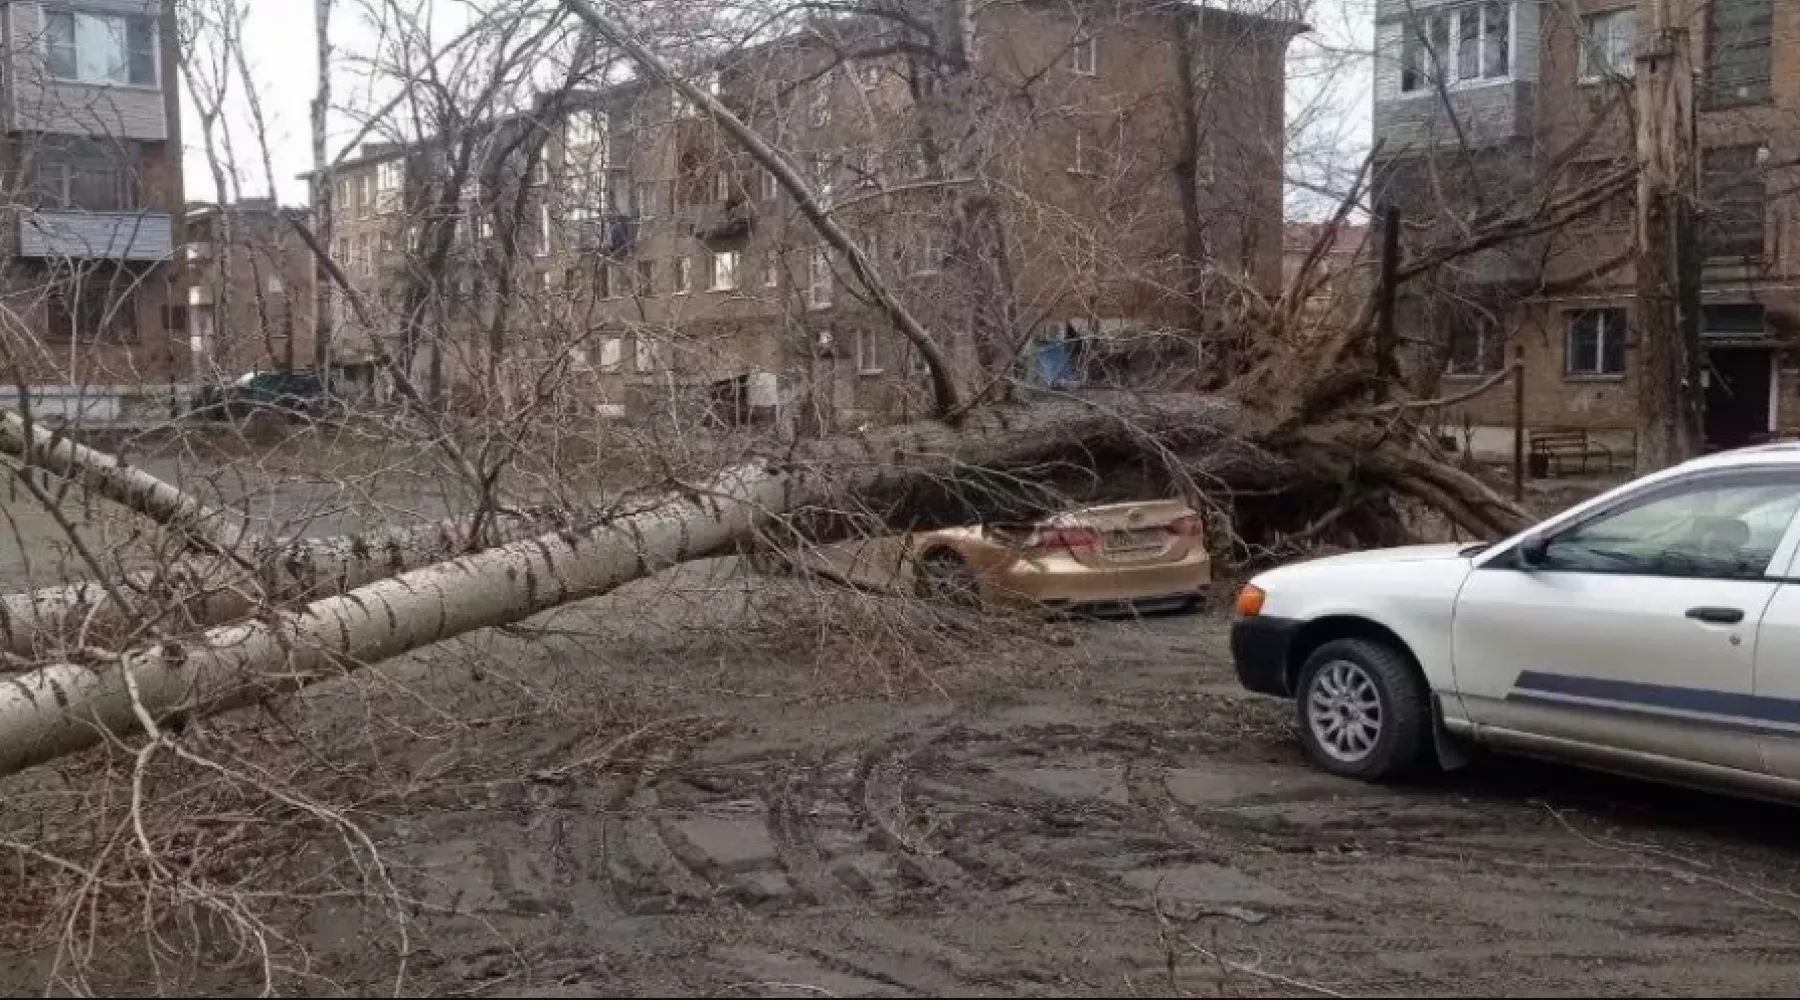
point(1132, 541)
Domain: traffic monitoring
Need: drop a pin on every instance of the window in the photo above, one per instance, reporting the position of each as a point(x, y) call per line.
point(92, 309)
point(343, 195)
point(772, 271)
point(618, 192)
point(390, 175)
point(646, 278)
point(367, 247)
point(543, 229)
point(821, 102)
point(101, 48)
point(1596, 343)
point(824, 176)
point(724, 271)
point(612, 354)
point(85, 176)
point(1086, 158)
point(644, 197)
point(604, 287)
point(274, 285)
point(1739, 53)
point(1735, 194)
point(650, 355)
point(770, 187)
point(722, 186)
point(931, 253)
point(684, 275)
point(868, 75)
point(818, 288)
point(1606, 45)
point(585, 195)
point(1084, 55)
point(1476, 348)
point(1725, 528)
point(868, 352)
point(1482, 35)
point(540, 171)
point(365, 195)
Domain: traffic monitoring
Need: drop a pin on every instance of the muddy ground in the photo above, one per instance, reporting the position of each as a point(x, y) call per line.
point(1093, 809)
point(715, 784)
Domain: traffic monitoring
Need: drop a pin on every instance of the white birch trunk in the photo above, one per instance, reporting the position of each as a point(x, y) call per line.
point(68, 706)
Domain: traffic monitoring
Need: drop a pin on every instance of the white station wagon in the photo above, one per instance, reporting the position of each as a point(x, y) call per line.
point(1653, 630)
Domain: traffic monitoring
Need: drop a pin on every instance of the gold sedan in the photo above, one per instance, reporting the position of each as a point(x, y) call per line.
point(1142, 556)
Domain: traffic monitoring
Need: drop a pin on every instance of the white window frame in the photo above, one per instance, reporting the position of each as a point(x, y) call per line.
point(722, 186)
point(390, 175)
point(725, 271)
point(1084, 55)
point(868, 75)
point(365, 194)
point(771, 271)
point(770, 187)
point(612, 354)
point(868, 352)
point(1082, 154)
point(684, 275)
point(931, 253)
point(1591, 48)
point(648, 355)
point(156, 65)
point(544, 228)
point(644, 281)
point(645, 207)
point(1606, 332)
point(1416, 30)
point(819, 279)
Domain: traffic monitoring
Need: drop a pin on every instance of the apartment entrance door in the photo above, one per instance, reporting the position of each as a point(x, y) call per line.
point(1739, 396)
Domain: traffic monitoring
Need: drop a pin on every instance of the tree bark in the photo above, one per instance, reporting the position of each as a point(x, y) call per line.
point(324, 191)
point(1669, 396)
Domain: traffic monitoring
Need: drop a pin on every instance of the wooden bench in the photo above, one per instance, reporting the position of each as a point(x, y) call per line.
point(1560, 445)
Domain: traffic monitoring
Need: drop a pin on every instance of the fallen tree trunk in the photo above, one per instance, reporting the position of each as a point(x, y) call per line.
point(259, 572)
point(67, 706)
point(205, 527)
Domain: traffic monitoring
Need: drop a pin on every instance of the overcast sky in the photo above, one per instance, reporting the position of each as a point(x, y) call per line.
point(1326, 76)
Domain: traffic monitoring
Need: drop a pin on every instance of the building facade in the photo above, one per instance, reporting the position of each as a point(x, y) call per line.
point(251, 300)
point(89, 100)
point(1489, 108)
point(681, 279)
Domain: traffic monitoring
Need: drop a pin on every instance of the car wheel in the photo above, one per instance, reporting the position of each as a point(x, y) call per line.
point(946, 578)
point(1364, 711)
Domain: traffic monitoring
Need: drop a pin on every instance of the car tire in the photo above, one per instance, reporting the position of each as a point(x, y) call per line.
point(1364, 711)
point(946, 578)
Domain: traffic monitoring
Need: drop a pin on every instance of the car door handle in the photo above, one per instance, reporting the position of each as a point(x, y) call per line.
point(1716, 616)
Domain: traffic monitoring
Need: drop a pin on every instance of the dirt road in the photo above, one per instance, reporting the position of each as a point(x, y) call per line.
point(1123, 822)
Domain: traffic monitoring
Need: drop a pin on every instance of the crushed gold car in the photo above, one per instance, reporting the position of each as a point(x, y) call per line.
point(1142, 556)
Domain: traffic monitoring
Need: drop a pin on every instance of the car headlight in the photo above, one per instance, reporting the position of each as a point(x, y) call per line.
point(1250, 601)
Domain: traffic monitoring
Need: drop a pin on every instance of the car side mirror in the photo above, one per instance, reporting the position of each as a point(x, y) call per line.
point(1533, 551)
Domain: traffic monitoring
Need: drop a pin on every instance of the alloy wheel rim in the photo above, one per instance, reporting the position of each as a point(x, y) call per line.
point(1343, 708)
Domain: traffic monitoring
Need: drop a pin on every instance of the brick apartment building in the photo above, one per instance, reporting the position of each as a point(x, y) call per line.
point(251, 303)
point(90, 105)
point(684, 280)
point(1510, 100)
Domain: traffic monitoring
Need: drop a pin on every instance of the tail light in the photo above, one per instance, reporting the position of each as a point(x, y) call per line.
point(1186, 527)
point(1066, 538)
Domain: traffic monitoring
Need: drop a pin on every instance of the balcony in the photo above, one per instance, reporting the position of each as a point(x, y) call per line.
point(139, 236)
point(609, 235)
point(724, 222)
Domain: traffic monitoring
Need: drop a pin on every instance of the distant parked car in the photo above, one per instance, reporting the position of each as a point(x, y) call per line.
point(296, 395)
point(1142, 556)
